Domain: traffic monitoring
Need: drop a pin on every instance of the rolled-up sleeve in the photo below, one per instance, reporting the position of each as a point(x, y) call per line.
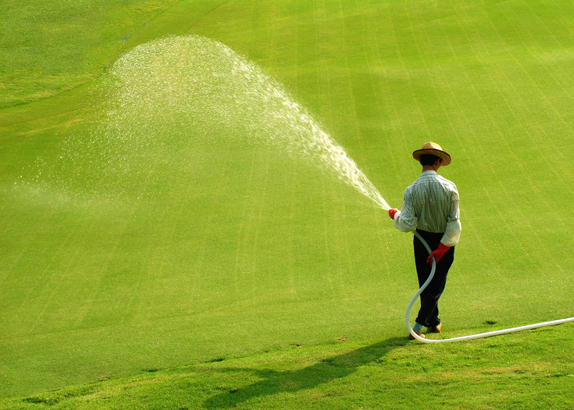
point(453, 227)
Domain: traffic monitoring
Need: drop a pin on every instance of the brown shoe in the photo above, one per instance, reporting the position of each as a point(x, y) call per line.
point(436, 329)
point(411, 337)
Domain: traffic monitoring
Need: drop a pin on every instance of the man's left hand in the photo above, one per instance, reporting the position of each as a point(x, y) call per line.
point(438, 253)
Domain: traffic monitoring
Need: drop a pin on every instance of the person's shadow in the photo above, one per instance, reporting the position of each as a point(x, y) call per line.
point(309, 377)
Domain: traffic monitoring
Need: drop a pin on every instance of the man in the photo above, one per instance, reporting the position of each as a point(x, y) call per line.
point(431, 207)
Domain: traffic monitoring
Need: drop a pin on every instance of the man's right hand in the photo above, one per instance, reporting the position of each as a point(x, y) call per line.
point(392, 212)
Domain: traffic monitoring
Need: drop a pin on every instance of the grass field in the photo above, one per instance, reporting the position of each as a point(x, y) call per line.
point(149, 257)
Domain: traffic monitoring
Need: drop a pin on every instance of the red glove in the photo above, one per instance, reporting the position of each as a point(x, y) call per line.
point(438, 253)
point(392, 212)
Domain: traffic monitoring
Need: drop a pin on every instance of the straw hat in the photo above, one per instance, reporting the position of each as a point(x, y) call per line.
point(432, 148)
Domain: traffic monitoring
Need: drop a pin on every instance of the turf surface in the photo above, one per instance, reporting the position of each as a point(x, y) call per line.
point(525, 371)
point(239, 248)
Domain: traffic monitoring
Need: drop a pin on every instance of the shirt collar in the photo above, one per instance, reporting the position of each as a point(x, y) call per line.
point(429, 172)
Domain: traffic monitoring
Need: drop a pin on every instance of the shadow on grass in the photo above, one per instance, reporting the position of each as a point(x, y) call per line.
point(307, 378)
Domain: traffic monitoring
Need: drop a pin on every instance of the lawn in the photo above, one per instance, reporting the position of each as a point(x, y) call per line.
point(155, 215)
point(525, 371)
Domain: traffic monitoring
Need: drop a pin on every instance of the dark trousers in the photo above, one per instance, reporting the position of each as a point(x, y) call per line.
point(428, 313)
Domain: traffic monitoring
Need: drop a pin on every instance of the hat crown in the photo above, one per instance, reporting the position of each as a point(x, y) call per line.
point(431, 145)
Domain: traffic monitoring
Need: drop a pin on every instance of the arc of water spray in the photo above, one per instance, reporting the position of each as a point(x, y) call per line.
point(205, 85)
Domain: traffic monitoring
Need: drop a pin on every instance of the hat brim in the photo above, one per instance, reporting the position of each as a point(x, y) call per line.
point(436, 152)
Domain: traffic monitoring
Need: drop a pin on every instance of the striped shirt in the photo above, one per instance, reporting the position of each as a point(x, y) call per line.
point(431, 204)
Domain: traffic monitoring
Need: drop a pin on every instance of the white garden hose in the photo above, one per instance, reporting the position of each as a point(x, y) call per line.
point(469, 337)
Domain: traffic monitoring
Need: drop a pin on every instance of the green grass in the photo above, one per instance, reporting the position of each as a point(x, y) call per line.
point(246, 251)
point(525, 371)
